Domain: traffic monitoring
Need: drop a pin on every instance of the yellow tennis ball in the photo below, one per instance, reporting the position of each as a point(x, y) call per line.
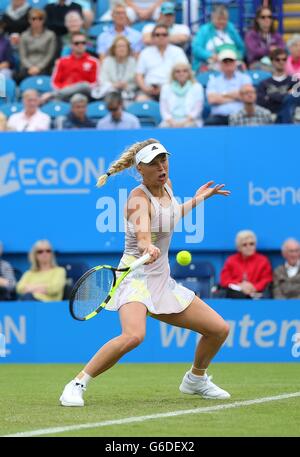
point(184, 258)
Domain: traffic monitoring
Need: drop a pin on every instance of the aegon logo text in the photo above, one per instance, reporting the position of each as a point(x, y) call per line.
point(48, 175)
point(273, 196)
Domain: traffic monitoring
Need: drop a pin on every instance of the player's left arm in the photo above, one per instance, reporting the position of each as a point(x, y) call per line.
point(203, 193)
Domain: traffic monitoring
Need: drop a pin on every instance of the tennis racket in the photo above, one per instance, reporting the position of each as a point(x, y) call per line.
point(96, 287)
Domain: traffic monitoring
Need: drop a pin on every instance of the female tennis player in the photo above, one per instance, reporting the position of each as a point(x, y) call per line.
point(151, 214)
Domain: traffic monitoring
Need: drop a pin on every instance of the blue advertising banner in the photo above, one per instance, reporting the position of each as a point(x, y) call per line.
point(261, 331)
point(47, 186)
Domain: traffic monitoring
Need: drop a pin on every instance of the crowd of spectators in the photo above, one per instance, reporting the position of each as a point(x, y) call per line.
point(142, 64)
point(247, 274)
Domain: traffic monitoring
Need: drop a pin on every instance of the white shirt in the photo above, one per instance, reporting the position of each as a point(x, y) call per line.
point(176, 29)
point(292, 270)
point(21, 123)
point(156, 67)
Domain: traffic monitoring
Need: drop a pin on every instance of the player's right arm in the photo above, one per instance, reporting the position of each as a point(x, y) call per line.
point(138, 212)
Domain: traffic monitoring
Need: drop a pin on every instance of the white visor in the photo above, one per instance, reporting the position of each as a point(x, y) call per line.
point(148, 153)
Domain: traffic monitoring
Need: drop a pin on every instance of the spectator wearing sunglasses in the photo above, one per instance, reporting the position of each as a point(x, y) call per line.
point(76, 73)
point(246, 274)
point(37, 46)
point(279, 93)
point(155, 63)
point(262, 39)
point(45, 281)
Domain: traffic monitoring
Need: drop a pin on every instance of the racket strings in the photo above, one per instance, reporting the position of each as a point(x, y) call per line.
point(92, 292)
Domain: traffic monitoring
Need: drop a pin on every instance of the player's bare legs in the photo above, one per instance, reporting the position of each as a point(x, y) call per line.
point(133, 323)
point(201, 318)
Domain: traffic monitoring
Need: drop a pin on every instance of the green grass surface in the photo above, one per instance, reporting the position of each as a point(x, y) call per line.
point(29, 400)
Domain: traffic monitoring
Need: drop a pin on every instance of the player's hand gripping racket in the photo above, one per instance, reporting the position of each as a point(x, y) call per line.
point(96, 287)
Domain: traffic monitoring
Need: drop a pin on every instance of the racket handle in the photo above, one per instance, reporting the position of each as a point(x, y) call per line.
point(137, 263)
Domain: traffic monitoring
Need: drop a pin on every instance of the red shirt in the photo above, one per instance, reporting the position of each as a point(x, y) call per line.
point(71, 70)
point(255, 269)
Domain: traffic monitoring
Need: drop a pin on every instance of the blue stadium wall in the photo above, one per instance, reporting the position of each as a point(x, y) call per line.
point(47, 190)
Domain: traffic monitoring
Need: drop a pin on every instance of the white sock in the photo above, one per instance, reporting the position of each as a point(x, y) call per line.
point(195, 377)
point(85, 379)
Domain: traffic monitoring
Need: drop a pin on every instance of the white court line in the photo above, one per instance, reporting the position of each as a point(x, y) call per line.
point(130, 420)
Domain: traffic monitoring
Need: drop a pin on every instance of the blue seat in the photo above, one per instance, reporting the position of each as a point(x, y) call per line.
point(56, 108)
point(258, 75)
point(11, 108)
point(147, 112)
point(8, 89)
point(3, 5)
point(197, 276)
point(74, 271)
point(101, 7)
point(96, 110)
point(203, 77)
point(41, 83)
point(140, 25)
point(96, 29)
point(40, 4)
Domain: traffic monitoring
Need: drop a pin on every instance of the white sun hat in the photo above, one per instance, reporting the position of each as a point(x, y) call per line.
point(149, 152)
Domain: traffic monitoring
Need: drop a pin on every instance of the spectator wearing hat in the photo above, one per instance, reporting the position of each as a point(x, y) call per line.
point(119, 27)
point(279, 93)
point(77, 118)
point(293, 60)
point(286, 283)
point(250, 114)
point(179, 34)
point(117, 119)
point(7, 278)
point(223, 91)
point(155, 63)
point(212, 37)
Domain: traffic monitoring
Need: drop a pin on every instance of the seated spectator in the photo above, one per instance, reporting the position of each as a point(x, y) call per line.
point(119, 27)
point(293, 60)
point(75, 73)
point(30, 119)
point(212, 37)
point(276, 93)
point(181, 101)
point(117, 119)
point(37, 47)
point(118, 69)
point(77, 118)
point(45, 281)
point(250, 114)
point(246, 274)
point(137, 10)
point(6, 53)
point(155, 63)
point(3, 122)
point(262, 39)
point(223, 91)
point(74, 24)
point(7, 278)
point(286, 282)
point(16, 17)
point(179, 34)
point(56, 13)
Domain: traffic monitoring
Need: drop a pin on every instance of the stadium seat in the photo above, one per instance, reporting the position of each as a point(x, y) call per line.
point(101, 7)
point(197, 276)
point(41, 83)
point(56, 108)
point(11, 108)
point(140, 25)
point(8, 87)
point(147, 112)
point(96, 29)
point(40, 4)
point(96, 110)
point(74, 272)
point(258, 75)
point(3, 5)
point(203, 77)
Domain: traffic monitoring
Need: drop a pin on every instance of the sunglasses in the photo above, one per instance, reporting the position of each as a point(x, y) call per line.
point(37, 18)
point(41, 251)
point(181, 71)
point(228, 60)
point(113, 109)
point(251, 243)
point(266, 17)
point(161, 34)
point(282, 59)
point(77, 43)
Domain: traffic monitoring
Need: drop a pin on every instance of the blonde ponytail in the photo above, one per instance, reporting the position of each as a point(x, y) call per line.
point(126, 160)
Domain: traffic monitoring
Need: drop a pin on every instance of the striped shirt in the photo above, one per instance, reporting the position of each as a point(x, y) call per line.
point(7, 272)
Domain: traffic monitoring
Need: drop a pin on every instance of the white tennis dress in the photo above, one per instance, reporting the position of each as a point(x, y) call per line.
point(152, 284)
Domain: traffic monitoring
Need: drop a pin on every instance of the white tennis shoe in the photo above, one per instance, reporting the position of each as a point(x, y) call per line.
point(203, 387)
point(73, 394)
